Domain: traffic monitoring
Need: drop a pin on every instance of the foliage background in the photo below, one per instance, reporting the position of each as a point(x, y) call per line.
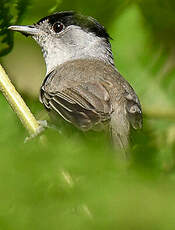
point(71, 180)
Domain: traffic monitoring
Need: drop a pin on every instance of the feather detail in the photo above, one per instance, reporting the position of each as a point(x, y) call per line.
point(85, 105)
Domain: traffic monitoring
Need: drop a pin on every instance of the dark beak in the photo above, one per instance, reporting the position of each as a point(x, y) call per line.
point(26, 30)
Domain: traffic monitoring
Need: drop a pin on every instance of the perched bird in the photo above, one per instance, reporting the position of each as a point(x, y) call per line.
point(82, 84)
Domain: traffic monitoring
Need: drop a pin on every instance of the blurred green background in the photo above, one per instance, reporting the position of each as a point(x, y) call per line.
point(73, 180)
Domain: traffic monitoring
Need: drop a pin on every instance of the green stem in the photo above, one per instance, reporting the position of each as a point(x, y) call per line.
point(159, 113)
point(17, 104)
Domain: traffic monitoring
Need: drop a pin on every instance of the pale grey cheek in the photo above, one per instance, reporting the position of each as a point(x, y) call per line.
point(73, 45)
point(40, 40)
point(69, 40)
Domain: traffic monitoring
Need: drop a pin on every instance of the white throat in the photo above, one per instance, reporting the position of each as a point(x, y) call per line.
point(75, 44)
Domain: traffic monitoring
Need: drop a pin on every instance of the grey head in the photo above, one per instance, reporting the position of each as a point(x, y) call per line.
point(66, 36)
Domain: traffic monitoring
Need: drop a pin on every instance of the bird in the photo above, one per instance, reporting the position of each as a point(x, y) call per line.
point(82, 84)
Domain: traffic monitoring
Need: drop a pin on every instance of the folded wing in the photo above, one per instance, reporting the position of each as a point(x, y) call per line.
point(84, 105)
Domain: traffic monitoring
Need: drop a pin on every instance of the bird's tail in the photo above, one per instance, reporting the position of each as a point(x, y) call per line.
point(120, 135)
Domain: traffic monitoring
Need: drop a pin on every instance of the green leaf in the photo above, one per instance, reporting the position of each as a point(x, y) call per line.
point(11, 12)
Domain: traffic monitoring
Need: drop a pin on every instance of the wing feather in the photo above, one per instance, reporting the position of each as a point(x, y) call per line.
point(134, 111)
point(84, 105)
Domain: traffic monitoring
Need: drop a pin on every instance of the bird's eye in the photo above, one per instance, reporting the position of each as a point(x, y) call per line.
point(58, 27)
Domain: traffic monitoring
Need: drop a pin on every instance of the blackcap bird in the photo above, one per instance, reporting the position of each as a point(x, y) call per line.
point(82, 84)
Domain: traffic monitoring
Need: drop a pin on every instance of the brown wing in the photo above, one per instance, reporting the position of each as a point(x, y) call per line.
point(134, 111)
point(84, 105)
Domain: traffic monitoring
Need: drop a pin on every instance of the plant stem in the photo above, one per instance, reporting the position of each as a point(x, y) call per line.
point(17, 104)
point(159, 113)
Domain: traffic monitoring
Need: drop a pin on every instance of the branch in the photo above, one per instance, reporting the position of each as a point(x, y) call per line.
point(158, 113)
point(17, 104)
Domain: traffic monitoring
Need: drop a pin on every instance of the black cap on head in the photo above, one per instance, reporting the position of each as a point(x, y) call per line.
point(72, 18)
